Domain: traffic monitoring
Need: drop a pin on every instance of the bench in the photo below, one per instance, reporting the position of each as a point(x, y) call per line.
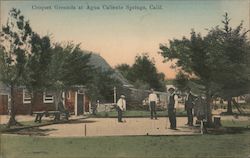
point(56, 114)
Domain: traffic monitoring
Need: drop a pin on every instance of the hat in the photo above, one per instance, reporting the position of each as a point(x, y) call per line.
point(122, 96)
point(171, 89)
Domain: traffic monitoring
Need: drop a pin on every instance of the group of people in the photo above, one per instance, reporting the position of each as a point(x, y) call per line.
point(171, 106)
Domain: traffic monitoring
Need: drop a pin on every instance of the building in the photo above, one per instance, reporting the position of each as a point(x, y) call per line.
point(75, 100)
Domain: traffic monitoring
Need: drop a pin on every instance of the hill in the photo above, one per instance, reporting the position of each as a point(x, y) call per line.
point(99, 62)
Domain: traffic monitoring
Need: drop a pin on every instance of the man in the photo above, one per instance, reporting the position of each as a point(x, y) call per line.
point(121, 106)
point(200, 109)
point(172, 101)
point(152, 99)
point(189, 105)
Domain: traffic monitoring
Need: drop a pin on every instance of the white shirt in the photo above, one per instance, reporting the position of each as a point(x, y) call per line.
point(152, 97)
point(122, 104)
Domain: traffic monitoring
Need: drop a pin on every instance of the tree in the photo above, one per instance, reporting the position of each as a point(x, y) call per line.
point(69, 66)
point(216, 61)
point(231, 74)
point(38, 65)
point(143, 73)
point(102, 85)
point(181, 81)
point(15, 48)
point(76, 69)
point(125, 70)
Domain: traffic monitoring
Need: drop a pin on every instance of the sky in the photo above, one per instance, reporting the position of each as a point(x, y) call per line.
point(120, 30)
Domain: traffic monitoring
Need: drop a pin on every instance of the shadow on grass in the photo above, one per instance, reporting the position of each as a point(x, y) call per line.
point(79, 121)
point(227, 130)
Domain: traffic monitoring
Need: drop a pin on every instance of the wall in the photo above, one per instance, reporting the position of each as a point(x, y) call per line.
point(24, 108)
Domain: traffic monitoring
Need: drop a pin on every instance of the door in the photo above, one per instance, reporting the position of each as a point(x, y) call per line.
point(80, 104)
point(3, 104)
point(86, 102)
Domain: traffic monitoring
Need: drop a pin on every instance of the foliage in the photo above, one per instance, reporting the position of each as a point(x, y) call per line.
point(69, 67)
point(76, 69)
point(219, 60)
point(15, 49)
point(125, 70)
point(38, 63)
point(102, 85)
point(181, 81)
point(143, 73)
point(230, 73)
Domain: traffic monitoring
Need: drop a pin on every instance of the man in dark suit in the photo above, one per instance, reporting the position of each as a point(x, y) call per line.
point(189, 105)
point(172, 100)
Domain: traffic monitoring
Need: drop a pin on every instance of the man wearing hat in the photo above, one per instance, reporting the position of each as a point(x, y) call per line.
point(189, 105)
point(172, 101)
point(152, 99)
point(121, 106)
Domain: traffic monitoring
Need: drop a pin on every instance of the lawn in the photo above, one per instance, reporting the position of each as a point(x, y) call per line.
point(236, 123)
point(214, 146)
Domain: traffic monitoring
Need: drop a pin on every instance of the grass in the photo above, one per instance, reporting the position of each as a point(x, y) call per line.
point(137, 113)
point(214, 146)
point(234, 123)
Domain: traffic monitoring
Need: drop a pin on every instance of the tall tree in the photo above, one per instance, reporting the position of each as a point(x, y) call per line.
point(69, 66)
point(216, 60)
point(230, 73)
point(15, 49)
point(38, 65)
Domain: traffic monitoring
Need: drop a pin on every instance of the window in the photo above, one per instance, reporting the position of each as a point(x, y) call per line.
point(26, 96)
point(48, 97)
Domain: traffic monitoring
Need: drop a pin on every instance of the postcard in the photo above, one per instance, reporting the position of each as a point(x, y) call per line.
point(124, 78)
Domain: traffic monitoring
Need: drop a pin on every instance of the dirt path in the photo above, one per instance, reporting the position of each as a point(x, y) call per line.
point(110, 127)
point(80, 127)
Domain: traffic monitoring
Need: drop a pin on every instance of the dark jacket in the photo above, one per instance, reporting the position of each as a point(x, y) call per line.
point(189, 103)
point(171, 102)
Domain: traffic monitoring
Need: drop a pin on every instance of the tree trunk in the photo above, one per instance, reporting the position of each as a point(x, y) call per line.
point(209, 110)
point(229, 106)
point(12, 121)
point(57, 97)
point(32, 104)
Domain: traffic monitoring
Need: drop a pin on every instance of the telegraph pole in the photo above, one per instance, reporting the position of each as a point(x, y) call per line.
point(114, 94)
